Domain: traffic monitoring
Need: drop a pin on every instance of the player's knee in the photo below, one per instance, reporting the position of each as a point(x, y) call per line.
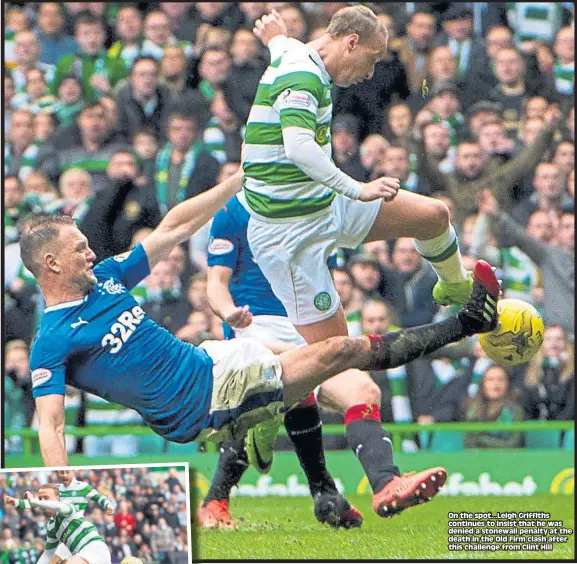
point(368, 391)
point(438, 214)
point(359, 389)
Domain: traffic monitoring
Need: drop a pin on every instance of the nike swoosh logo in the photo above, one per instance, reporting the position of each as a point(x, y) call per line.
point(261, 463)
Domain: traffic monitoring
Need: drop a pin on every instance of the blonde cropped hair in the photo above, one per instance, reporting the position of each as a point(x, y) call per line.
point(357, 19)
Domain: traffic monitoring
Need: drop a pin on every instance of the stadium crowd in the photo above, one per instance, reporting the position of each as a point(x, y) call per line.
point(149, 520)
point(115, 112)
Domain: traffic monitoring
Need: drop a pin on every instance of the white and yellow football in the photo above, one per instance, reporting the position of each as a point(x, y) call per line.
point(518, 336)
point(131, 560)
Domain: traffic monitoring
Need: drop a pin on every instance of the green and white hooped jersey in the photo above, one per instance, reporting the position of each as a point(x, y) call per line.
point(79, 493)
point(294, 91)
point(71, 530)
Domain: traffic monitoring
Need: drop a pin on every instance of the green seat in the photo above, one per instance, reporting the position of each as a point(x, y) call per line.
point(151, 445)
point(543, 439)
point(447, 441)
point(569, 440)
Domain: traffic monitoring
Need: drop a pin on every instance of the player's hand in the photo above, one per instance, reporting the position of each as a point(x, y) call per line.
point(28, 495)
point(487, 203)
point(269, 26)
point(9, 500)
point(239, 317)
point(385, 187)
point(110, 510)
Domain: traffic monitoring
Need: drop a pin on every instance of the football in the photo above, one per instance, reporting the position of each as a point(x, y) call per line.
point(131, 560)
point(518, 336)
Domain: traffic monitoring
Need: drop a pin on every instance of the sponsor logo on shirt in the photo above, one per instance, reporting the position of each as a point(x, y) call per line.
point(220, 246)
point(40, 376)
point(298, 100)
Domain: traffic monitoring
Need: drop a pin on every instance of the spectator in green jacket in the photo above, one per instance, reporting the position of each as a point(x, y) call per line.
point(97, 71)
point(494, 401)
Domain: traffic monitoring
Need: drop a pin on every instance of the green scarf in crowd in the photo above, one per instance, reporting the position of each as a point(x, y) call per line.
point(162, 165)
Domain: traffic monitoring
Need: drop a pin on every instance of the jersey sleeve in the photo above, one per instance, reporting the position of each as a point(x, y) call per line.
point(128, 268)
point(223, 241)
point(300, 93)
point(48, 366)
point(97, 497)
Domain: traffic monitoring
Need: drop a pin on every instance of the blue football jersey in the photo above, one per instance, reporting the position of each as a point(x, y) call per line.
point(106, 345)
point(228, 246)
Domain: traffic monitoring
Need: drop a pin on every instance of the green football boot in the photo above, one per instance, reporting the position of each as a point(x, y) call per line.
point(260, 442)
point(453, 293)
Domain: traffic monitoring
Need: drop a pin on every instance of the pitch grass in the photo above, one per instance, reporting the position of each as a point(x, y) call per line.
point(285, 528)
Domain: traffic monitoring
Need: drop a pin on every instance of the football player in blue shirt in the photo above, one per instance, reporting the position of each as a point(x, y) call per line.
point(239, 293)
point(94, 336)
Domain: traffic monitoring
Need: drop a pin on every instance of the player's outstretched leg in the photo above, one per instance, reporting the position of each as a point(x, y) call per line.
point(214, 511)
point(393, 493)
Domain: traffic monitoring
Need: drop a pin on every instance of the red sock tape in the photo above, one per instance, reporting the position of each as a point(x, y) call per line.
point(363, 411)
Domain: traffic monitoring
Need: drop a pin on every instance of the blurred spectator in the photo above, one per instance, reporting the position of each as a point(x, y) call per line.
point(22, 154)
point(398, 125)
point(158, 35)
point(396, 163)
point(371, 151)
point(345, 145)
point(18, 386)
point(161, 297)
point(124, 520)
point(409, 285)
point(182, 169)
point(96, 144)
point(564, 157)
point(45, 125)
point(70, 98)
point(548, 196)
point(512, 91)
point(36, 97)
point(495, 400)
point(367, 275)
point(350, 299)
point(549, 386)
point(457, 24)
point(98, 72)
point(128, 46)
point(474, 173)
point(162, 539)
point(144, 102)
point(54, 43)
point(28, 50)
point(415, 46)
point(556, 259)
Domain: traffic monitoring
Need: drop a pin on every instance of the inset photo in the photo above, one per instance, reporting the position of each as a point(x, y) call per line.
point(97, 515)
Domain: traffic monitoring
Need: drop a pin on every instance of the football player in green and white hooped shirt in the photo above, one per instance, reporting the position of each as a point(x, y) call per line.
point(302, 206)
point(78, 494)
point(66, 526)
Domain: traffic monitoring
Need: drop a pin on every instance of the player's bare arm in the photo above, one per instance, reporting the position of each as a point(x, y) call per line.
point(184, 219)
point(50, 410)
point(220, 300)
